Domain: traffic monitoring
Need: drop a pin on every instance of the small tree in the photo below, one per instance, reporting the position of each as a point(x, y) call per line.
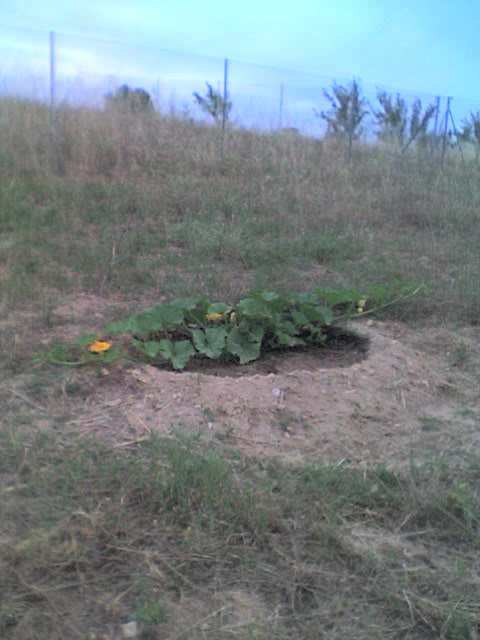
point(128, 100)
point(395, 124)
point(418, 125)
point(391, 118)
point(471, 129)
point(347, 112)
point(214, 104)
point(471, 132)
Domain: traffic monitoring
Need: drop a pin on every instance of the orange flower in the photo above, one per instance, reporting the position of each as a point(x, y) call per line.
point(99, 346)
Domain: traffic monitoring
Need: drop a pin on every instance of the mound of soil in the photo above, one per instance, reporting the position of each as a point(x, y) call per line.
point(304, 410)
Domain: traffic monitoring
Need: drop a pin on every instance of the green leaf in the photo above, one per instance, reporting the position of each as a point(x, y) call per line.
point(210, 342)
point(177, 353)
point(245, 344)
point(57, 353)
point(122, 327)
point(317, 313)
point(151, 348)
point(309, 297)
point(147, 322)
point(286, 326)
point(169, 315)
point(300, 319)
point(219, 307)
point(255, 309)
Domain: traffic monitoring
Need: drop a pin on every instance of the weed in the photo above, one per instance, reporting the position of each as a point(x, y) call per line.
point(151, 612)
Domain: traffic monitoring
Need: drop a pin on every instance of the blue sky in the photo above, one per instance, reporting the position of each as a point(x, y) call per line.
point(422, 48)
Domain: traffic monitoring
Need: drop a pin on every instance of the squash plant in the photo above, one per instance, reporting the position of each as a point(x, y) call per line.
point(177, 331)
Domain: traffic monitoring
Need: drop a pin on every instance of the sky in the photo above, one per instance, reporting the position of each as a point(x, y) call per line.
point(422, 48)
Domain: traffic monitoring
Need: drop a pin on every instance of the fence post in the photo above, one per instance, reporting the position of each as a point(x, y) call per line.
point(435, 126)
point(280, 109)
point(437, 113)
point(225, 98)
point(445, 131)
point(52, 101)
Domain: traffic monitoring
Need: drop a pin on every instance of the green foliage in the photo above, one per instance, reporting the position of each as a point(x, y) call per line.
point(210, 341)
point(151, 612)
point(391, 118)
point(264, 320)
point(471, 129)
point(245, 342)
point(348, 109)
point(419, 122)
point(128, 100)
point(395, 124)
point(214, 104)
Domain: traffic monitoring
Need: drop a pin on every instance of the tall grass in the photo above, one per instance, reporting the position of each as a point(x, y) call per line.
point(114, 203)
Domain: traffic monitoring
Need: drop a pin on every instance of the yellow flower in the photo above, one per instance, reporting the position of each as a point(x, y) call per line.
point(99, 346)
point(215, 317)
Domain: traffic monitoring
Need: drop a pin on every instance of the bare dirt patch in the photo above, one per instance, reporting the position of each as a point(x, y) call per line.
point(380, 408)
point(413, 393)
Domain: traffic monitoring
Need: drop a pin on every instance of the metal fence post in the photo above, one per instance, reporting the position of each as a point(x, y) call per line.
point(435, 126)
point(52, 101)
point(224, 106)
point(445, 131)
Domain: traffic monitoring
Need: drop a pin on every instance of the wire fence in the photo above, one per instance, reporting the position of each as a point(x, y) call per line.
point(72, 71)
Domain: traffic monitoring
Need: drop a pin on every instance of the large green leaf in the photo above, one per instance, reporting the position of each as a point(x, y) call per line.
point(275, 301)
point(151, 347)
point(210, 342)
point(177, 353)
point(286, 326)
point(300, 319)
point(169, 315)
point(285, 333)
point(122, 327)
point(316, 313)
point(255, 309)
point(147, 322)
point(245, 344)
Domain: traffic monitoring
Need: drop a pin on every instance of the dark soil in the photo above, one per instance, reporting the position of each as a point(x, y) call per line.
point(343, 348)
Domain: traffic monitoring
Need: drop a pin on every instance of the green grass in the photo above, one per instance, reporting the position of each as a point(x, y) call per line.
point(152, 205)
point(187, 541)
point(200, 543)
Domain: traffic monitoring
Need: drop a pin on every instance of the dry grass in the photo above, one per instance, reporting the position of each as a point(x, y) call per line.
point(121, 203)
point(192, 544)
point(195, 546)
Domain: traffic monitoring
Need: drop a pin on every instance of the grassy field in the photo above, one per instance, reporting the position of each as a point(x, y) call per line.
point(122, 205)
point(190, 544)
point(210, 544)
